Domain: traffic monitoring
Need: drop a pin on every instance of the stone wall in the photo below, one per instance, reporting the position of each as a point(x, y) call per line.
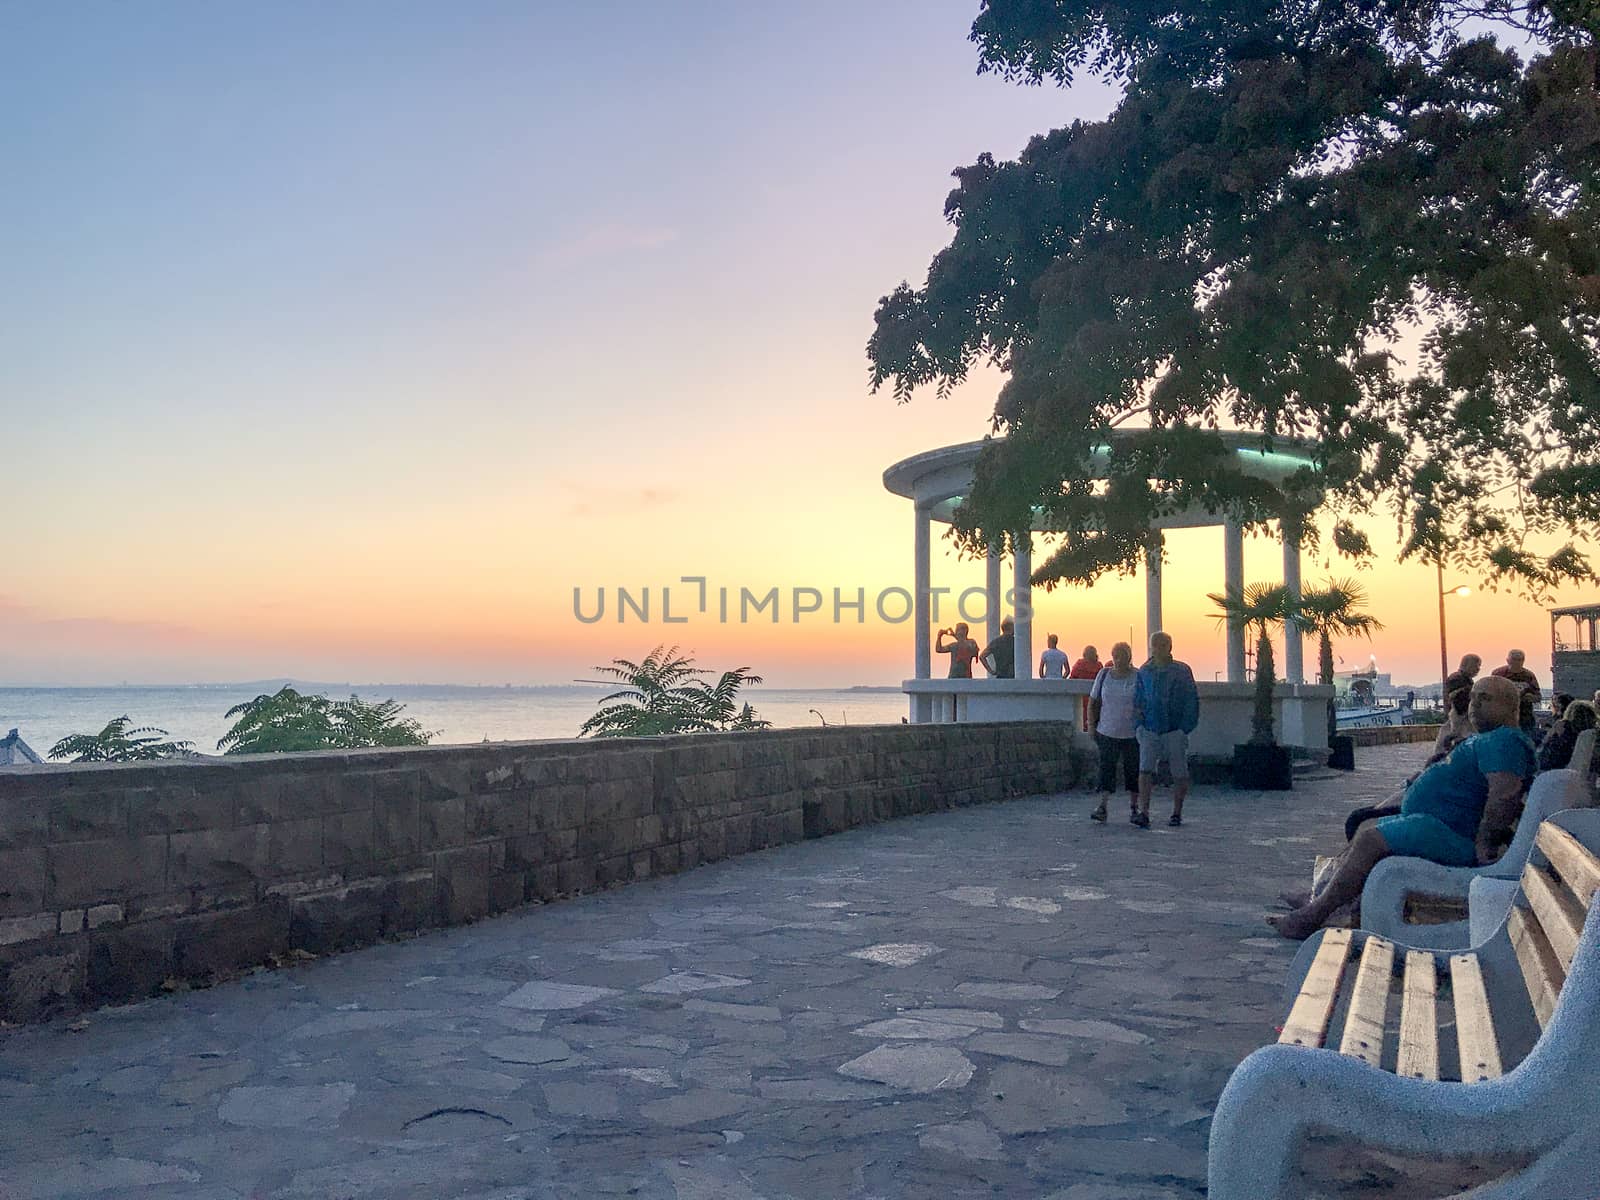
point(117, 881)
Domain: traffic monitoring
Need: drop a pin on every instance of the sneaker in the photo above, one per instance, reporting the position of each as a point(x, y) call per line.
point(1175, 819)
point(1142, 820)
point(1099, 814)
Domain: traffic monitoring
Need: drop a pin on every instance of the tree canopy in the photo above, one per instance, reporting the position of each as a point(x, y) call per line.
point(1372, 224)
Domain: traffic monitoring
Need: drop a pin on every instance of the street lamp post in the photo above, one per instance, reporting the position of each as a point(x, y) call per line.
point(1444, 654)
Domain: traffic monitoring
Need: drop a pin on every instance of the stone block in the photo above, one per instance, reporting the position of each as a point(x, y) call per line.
point(647, 832)
point(614, 870)
point(208, 945)
point(738, 832)
point(665, 859)
point(159, 904)
point(577, 875)
point(525, 852)
point(179, 809)
point(442, 822)
point(506, 891)
point(128, 962)
point(543, 883)
point(23, 876)
point(561, 843)
point(396, 819)
point(28, 928)
point(38, 985)
point(338, 919)
point(102, 915)
point(88, 815)
point(347, 839)
point(463, 876)
point(208, 857)
point(641, 865)
point(412, 903)
point(497, 814)
point(24, 820)
point(83, 873)
point(71, 921)
point(294, 847)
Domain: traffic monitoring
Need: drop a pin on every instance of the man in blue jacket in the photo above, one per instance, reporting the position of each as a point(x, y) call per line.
point(1166, 708)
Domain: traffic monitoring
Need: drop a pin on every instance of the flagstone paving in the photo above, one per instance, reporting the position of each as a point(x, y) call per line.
point(1000, 1001)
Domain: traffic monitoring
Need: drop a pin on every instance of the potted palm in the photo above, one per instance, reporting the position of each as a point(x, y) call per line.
point(1328, 611)
point(1261, 763)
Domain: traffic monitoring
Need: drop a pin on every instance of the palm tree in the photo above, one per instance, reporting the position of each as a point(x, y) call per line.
point(665, 694)
point(1335, 610)
point(1259, 608)
point(1327, 611)
point(118, 743)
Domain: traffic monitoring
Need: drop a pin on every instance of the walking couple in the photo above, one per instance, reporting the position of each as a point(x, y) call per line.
point(1141, 718)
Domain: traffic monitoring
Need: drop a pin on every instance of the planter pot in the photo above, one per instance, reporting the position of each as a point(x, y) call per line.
point(1262, 768)
point(1342, 753)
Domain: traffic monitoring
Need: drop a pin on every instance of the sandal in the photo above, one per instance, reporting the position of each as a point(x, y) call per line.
point(1175, 820)
point(1099, 814)
point(1142, 820)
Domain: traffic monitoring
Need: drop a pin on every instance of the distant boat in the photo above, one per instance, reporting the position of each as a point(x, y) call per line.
point(15, 752)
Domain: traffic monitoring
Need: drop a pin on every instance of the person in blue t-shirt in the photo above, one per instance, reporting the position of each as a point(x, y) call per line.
point(1458, 812)
point(1166, 709)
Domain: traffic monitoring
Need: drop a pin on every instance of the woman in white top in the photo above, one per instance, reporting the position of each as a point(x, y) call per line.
point(1111, 718)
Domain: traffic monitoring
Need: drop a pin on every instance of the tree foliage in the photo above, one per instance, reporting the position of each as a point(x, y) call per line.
point(120, 742)
point(287, 721)
point(667, 693)
point(1366, 223)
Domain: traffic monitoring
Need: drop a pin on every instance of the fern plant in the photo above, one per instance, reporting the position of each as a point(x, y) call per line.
point(117, 742)
point(287, 721)
point(666, 693)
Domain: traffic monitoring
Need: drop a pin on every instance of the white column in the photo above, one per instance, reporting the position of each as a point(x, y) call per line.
point(1152, 592)
point(1233, 584)
point(921, 596)
point(1294, 666)
point(1022, 604)
point(993, 598)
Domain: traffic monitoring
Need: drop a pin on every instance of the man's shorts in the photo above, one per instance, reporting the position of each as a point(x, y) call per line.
point(1417, 835)
point(1174, 747)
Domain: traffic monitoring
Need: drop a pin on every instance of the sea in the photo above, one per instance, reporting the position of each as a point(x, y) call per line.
point(454, 714)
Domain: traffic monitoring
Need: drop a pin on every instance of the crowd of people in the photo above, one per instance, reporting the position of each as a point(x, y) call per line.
point(1462, 808)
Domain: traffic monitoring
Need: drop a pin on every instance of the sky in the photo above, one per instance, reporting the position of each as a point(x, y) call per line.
point(347, 342)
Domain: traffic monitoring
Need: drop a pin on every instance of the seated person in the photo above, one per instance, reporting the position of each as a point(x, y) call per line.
point(1456, 729)
point(1457, 812)
point(1555, 752)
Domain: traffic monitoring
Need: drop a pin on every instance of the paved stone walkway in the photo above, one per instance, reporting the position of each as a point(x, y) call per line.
point(1000, 1001)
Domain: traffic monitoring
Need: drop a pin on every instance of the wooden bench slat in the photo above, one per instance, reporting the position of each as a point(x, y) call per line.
point(1573, 861)
point(1419, 1019)
point(1558, 913)
point(1369, 1004)
point(1541, 969)
point(1313, 1007)
point(1480, 1050)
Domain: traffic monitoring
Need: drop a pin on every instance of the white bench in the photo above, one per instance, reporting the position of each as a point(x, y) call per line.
point(1418, 1051)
